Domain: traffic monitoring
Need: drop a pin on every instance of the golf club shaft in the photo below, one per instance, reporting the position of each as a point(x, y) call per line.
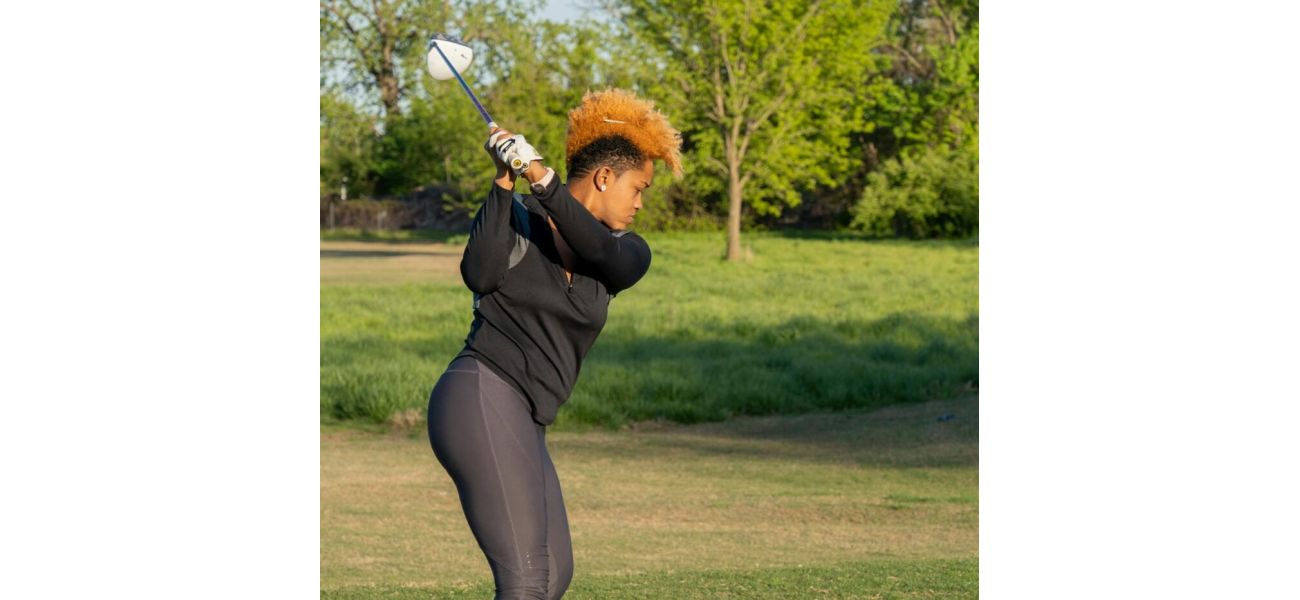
point(481, 110)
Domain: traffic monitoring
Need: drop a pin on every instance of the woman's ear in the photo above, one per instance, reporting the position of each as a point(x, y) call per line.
point(602, 177)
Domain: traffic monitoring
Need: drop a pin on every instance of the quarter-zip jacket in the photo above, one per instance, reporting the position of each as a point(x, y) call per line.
point(531, 326)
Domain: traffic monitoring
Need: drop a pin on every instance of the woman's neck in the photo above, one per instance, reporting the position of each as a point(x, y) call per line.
point(585, 194)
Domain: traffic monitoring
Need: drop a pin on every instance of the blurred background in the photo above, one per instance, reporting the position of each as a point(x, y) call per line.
point(822, 115)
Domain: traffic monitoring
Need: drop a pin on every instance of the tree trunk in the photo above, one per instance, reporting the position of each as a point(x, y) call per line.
point(735, 190)
point(388, 80)
point(388, 91)
point(735, 193)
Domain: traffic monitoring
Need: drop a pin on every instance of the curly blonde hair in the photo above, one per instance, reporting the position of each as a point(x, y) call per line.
point(615, 112)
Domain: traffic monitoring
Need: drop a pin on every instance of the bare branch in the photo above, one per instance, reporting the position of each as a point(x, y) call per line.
point(949, 28)
point(357, 10)
point(716, 164)
point(719, 95)
point(911, 60)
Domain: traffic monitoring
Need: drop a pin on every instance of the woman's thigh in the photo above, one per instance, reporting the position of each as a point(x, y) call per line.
point(483, 435)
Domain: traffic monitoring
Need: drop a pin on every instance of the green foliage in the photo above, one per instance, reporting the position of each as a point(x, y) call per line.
point(671, 207)
point(932, 96)
point(798, 99)
point(436, 141)
point(920, 127)
point(372, 50)
point(935, 194)
point(759, 89)
point(347, 142)
point(953, 99)
point(528, 72)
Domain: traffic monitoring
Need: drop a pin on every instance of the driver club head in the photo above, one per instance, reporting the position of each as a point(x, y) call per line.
point(457, 53)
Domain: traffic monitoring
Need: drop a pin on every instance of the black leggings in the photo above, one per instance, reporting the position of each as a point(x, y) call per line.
point(483, 434)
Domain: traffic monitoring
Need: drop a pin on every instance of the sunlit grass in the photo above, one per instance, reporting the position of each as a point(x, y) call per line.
point(811, 322)
point(846, 504)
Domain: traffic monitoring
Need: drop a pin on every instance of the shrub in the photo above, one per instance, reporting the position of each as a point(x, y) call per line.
point(431, 207)
point(934, 194)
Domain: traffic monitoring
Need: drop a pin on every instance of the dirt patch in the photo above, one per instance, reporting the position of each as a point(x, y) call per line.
point(385, 263)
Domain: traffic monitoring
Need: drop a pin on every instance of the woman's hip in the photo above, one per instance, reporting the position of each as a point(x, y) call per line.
point(469, 393)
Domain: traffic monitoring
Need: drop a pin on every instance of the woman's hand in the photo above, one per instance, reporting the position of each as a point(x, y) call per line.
point(502, 168)
point(534, 171)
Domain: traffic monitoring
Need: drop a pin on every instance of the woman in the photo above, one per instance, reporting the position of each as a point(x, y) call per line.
point(543, 269)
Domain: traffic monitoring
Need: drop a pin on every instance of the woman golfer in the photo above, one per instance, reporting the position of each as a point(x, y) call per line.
point(543, 268)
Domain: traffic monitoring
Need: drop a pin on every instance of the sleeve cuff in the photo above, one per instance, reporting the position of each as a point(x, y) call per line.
point(547, 185)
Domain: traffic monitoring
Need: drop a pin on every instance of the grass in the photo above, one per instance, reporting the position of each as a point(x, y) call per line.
point(812, 322)
point(886, 579)
point(878, 503)
point(353, 234)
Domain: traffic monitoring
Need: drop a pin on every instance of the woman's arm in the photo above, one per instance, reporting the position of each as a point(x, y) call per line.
point(622, 258)
point(486, 258)
point(487, 255)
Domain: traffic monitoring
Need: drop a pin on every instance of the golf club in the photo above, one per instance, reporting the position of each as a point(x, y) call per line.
point(450, 53)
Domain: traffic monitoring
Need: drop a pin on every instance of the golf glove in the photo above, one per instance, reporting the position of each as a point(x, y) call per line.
point(515, 152)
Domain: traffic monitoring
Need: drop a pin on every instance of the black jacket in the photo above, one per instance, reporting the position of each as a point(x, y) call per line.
point(531, 326)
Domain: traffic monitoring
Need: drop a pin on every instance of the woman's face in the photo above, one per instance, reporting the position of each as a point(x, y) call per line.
point(622, 195)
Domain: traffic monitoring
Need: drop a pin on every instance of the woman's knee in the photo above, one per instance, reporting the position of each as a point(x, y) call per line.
point(560, 576)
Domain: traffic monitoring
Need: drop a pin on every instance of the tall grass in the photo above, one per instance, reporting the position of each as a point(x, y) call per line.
point(811, 322)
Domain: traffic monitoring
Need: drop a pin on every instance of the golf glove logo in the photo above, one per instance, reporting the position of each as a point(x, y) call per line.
point(514, 151)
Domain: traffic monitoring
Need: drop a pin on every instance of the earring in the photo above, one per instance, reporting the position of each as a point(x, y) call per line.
point(602, 188)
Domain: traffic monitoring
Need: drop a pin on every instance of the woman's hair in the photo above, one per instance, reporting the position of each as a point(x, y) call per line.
point(616, 129)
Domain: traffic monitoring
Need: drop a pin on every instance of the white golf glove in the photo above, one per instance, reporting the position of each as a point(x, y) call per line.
point(515, 151)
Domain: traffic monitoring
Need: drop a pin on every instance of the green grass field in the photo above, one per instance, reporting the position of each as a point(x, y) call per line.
point(812, 322)
point(850, 486)
point(876, 503)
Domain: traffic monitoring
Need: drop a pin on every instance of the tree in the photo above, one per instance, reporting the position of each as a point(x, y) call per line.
point(529, 74)
point(373, 64)
point(763, 91)
point(929, 97)
point(924, 117)
point(366, 42)
point(346, 142)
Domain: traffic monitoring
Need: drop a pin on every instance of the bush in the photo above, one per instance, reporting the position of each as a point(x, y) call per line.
point(935, 194)
point(431, 207)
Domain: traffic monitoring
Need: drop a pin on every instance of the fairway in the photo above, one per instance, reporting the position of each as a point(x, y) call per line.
point(847, 504)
